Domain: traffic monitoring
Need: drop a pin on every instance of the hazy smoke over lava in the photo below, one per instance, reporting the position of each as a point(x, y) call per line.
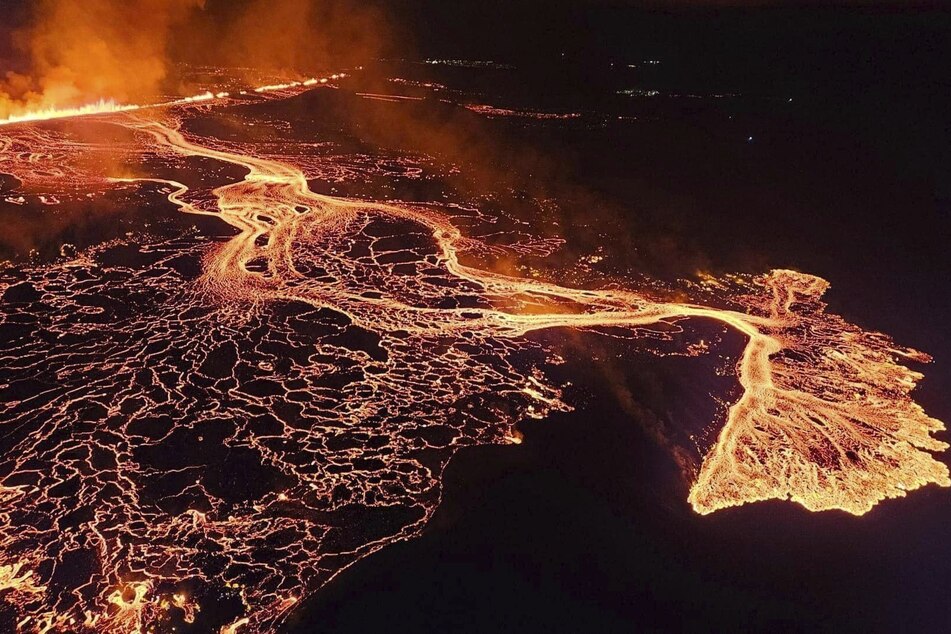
point(94, 49)
point(286, 35)
point(127, 50)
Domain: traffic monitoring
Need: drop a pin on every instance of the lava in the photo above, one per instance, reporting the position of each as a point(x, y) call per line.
point(221, 430)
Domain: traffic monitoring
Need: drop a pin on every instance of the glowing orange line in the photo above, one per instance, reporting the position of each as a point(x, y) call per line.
point(104, 106)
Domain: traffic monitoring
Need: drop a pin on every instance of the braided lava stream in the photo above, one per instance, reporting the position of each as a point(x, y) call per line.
point(179, 446)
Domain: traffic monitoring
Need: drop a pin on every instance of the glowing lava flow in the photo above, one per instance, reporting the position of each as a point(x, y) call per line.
point(836, 431)
point(210, 431)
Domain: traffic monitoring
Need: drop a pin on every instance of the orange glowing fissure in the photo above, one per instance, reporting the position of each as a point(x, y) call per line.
point(825, 417)
point(108, 106)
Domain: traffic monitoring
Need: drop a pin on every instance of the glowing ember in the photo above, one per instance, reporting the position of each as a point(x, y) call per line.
point(330, 357)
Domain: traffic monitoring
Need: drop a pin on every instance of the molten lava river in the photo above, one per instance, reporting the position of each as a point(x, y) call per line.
point(223, 423)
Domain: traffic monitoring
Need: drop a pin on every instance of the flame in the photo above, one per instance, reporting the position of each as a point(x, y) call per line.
point(103, 106)
point(110, 106)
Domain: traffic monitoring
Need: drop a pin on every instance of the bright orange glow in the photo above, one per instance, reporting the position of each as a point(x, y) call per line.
point(100, 107)
point(104, 106)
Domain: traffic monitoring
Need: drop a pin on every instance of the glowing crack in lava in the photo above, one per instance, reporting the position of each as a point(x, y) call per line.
point(212, 432)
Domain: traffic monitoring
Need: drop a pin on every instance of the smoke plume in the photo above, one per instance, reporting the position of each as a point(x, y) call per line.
point(83, 51)
point(129, 50)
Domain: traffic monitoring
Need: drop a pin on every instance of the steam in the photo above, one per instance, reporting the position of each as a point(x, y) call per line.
point(128, 50)
point(281, 35)
point(83, 51)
